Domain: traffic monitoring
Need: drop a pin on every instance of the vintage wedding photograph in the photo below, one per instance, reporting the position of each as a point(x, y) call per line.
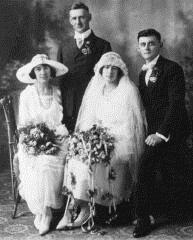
point(96, 119)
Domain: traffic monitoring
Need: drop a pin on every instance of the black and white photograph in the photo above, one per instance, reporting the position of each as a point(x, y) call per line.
point(96, 119)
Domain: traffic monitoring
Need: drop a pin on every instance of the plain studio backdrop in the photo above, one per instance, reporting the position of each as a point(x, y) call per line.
point(28, 27)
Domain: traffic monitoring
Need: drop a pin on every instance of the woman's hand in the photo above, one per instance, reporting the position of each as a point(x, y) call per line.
point(61, 131)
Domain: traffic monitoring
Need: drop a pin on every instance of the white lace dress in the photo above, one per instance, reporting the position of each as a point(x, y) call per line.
point(41, 176)
point(114, 112)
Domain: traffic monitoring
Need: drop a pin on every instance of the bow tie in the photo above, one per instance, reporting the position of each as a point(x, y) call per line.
point(147, 66)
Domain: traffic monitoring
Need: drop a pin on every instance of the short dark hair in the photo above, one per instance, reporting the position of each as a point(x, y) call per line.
point(79, 5)
point(149, 32)
point(52, 72)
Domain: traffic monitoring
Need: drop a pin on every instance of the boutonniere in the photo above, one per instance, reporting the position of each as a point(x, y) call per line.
point(154, 74)
point(86, 50)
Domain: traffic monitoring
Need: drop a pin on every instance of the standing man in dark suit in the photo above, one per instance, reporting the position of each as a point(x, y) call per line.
point(162, 88)
point(84, 52)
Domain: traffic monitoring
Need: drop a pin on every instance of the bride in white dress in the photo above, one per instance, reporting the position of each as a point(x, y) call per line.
point(42, 175)
point(111, 100)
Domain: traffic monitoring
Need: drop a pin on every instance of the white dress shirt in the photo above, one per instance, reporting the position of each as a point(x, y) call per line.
point(148, 67)
point(81, 36)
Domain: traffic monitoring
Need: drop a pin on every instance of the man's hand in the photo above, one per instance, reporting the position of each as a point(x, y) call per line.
point(153, 140)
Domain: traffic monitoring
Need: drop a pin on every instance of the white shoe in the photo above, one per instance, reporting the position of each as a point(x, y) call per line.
point(45, 225)
point(37, 221)
point(45, 222)
point(44, 228)
point(64, 221)
point(82, 217)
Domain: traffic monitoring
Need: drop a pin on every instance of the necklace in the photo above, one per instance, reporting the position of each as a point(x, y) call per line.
point(45, 100)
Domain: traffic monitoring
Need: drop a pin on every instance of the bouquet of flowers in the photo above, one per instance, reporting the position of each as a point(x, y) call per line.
point(38, 139)
point(92, 146)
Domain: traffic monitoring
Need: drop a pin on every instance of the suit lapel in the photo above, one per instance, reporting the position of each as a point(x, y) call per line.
point(91, 38)
point(89, 41)
point(160, 64)
point(142, 77)
point(75, 49)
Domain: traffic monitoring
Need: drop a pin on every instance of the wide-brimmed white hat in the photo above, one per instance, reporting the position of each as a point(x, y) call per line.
point(23, 72)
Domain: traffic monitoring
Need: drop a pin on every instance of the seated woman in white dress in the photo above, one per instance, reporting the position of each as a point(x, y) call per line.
point(111, 100)
point(41, 175)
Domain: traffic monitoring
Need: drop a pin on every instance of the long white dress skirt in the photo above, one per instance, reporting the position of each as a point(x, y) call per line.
point(77, 180)
point(41, 180)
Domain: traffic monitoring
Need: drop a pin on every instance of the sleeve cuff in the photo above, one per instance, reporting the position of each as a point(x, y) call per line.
point(166, 139)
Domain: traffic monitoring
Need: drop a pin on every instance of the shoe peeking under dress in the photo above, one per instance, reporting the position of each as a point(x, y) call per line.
point(45, 222)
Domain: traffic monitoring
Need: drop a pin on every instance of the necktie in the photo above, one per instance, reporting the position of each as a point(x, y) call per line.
point(79, 42)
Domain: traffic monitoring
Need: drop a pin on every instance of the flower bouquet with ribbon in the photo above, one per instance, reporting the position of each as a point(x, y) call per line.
point(39, 139)
point(91, 148)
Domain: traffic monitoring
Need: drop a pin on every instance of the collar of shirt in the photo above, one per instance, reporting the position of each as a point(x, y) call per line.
point(151, 64)
point(83, 35)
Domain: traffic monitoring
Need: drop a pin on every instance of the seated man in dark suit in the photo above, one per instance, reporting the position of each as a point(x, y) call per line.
point(162, 89)
point(84, 52)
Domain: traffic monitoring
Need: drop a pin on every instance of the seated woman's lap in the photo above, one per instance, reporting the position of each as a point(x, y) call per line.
point(120, 186)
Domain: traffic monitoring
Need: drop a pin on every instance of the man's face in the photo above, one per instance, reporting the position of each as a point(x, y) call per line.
point(149, 47)
point(79, 19)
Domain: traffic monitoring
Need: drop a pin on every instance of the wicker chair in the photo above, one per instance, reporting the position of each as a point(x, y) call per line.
point(7, 104)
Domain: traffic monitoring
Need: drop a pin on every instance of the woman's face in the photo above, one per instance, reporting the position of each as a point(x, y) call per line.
point(110, 74)
point(43, 73)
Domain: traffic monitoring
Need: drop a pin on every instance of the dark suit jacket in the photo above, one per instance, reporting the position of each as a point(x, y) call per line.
point(164, 101)
point(81, 63)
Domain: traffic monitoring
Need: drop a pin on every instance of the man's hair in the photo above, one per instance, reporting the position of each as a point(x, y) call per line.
point(149, 32)
point(79, 5)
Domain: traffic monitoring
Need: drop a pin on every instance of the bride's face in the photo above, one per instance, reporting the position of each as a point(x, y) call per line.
point(42, 73)
point(110, 74)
